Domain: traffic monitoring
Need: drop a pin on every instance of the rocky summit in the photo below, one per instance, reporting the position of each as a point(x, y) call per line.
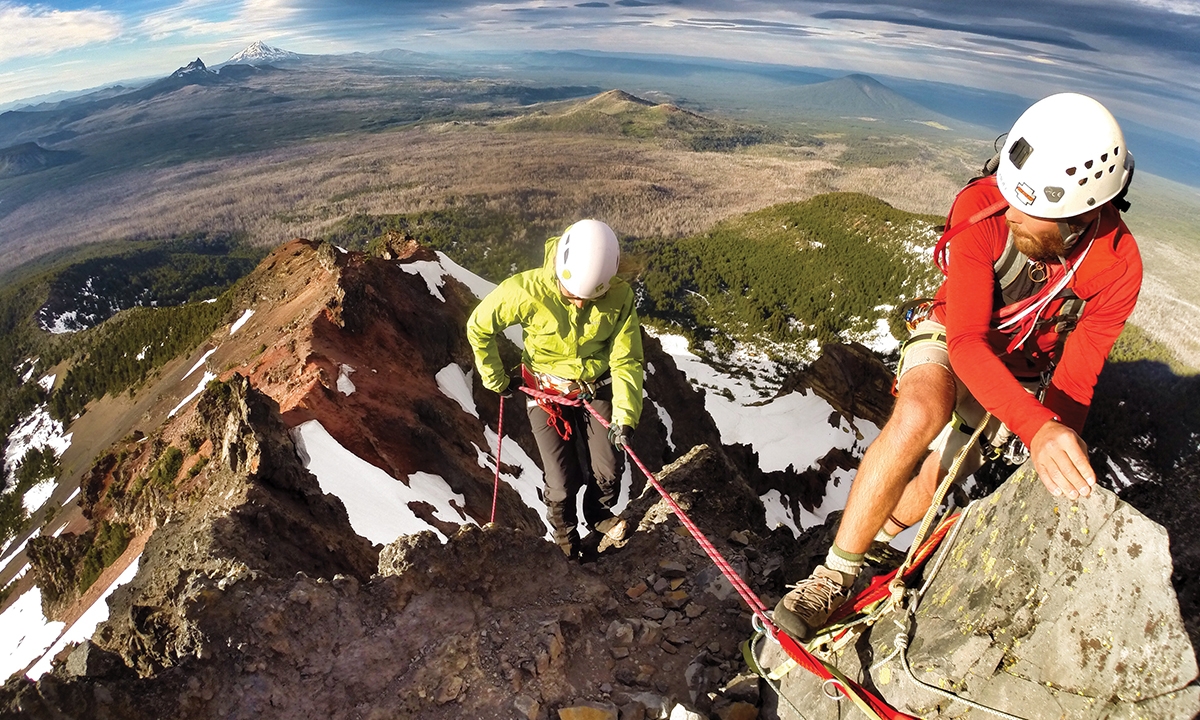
point(318, 545)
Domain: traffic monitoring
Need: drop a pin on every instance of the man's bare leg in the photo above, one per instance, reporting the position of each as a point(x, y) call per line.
point(925, 402)
point(917, 496)
point(923, 407)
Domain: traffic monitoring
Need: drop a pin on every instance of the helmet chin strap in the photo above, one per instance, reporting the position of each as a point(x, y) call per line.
point(1070, 234)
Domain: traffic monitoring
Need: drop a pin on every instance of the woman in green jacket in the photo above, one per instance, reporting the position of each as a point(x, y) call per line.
point(581, 337)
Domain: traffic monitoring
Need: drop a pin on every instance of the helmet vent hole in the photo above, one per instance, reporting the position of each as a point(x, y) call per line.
point(1104, 158)
point(1071, 170)
point(1089, 164)
point(1117, 150)
point(566, 256)
point(1100, 174)
point(1083, 181)
point(1091, 201)
point(1112, 167)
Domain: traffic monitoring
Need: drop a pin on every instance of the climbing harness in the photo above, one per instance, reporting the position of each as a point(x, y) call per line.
point(870, 704)
point(553, 386)
point(499, 445)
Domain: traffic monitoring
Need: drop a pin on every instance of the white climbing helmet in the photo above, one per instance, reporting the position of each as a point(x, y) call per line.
point(586, 259)
point(1064, 156)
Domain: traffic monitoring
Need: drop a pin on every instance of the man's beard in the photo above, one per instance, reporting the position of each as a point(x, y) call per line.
point(1044, 246)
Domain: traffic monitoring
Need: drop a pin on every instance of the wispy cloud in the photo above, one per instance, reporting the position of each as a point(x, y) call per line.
point(37, 30)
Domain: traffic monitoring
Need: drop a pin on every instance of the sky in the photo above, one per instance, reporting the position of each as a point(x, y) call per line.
point(1139, 57)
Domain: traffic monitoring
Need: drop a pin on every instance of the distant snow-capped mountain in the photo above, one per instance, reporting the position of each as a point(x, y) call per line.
point(259, 53)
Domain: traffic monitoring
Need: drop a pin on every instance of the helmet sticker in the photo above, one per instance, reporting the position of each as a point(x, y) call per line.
point(1026, 194)
point(1053, 194)
point(566, 274)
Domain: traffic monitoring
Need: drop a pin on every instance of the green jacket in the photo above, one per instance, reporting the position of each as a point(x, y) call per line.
point(571, 343)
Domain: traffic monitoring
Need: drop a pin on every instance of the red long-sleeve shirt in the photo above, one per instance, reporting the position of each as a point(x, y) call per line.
point(1109, 279)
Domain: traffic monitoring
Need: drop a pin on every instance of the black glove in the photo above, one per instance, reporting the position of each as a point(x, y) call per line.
point(619, 435)
point(514, 384)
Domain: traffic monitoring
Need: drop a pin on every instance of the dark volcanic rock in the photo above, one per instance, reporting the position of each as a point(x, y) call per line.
point(851, 379)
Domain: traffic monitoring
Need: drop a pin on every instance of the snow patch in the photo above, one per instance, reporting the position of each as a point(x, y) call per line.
point(68, 322)
point(47, 383)
point(456, 385)
point(794, 429)
point(528, 483)
point(666, 421)
point(477, 285)
point(237, 325)
point(377, 503)
point(25, 634)
point(83, 628)
point(35, 430)
point(480, 289)
point(881, 339)
point(199, 389)
point(431, 272)
point(778, 512)
point(38, 495)
point(198, 364)
point(344, 385)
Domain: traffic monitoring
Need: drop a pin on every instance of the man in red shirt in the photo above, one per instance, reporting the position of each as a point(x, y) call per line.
point(1031, 244)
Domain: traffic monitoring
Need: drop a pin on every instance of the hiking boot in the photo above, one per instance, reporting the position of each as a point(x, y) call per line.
point(882, 555)
point(612, 528)
point(808, 606)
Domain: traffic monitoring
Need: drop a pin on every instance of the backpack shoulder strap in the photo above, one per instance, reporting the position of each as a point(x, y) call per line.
point(1009, 265)
point(941, 251)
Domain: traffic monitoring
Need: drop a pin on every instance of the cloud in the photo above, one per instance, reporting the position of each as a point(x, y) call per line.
point(592, 5)
point(37, 30)
point(1046, 36)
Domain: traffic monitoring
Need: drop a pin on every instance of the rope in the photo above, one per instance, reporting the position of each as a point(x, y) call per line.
point(936, 504)
point(902, 647)
point(871, 706)
point(499, 445)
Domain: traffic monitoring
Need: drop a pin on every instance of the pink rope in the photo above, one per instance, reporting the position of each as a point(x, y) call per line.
point(736, 580)
point(499, 444)
point(802, 657)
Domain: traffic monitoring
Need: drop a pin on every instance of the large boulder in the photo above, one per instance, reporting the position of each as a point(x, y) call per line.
point(1041, 607)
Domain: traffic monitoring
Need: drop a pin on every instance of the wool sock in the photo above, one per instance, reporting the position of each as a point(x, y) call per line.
point(884, 536)
point(848, 564)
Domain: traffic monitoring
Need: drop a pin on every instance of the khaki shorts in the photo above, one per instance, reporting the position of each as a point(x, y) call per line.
point(927, 344)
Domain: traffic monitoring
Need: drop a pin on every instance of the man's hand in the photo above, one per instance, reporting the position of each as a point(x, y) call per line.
point(619, 435)
point(1060, 458)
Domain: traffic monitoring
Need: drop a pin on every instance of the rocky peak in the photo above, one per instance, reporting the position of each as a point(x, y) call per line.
point(195, 67)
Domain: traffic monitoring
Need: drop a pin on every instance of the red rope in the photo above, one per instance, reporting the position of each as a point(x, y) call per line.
point(802, 657)
point(499, 444)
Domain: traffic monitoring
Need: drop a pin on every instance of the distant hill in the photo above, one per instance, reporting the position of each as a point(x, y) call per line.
point(862, 96)
point(31, 157)
point(617, 112)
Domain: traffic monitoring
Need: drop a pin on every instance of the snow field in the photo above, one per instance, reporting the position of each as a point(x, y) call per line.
point(456, 385)
point(35, 430)
point(376, 502)
point(83, 628)
point(790, 430)
point(25, 634)
point(430, 271)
